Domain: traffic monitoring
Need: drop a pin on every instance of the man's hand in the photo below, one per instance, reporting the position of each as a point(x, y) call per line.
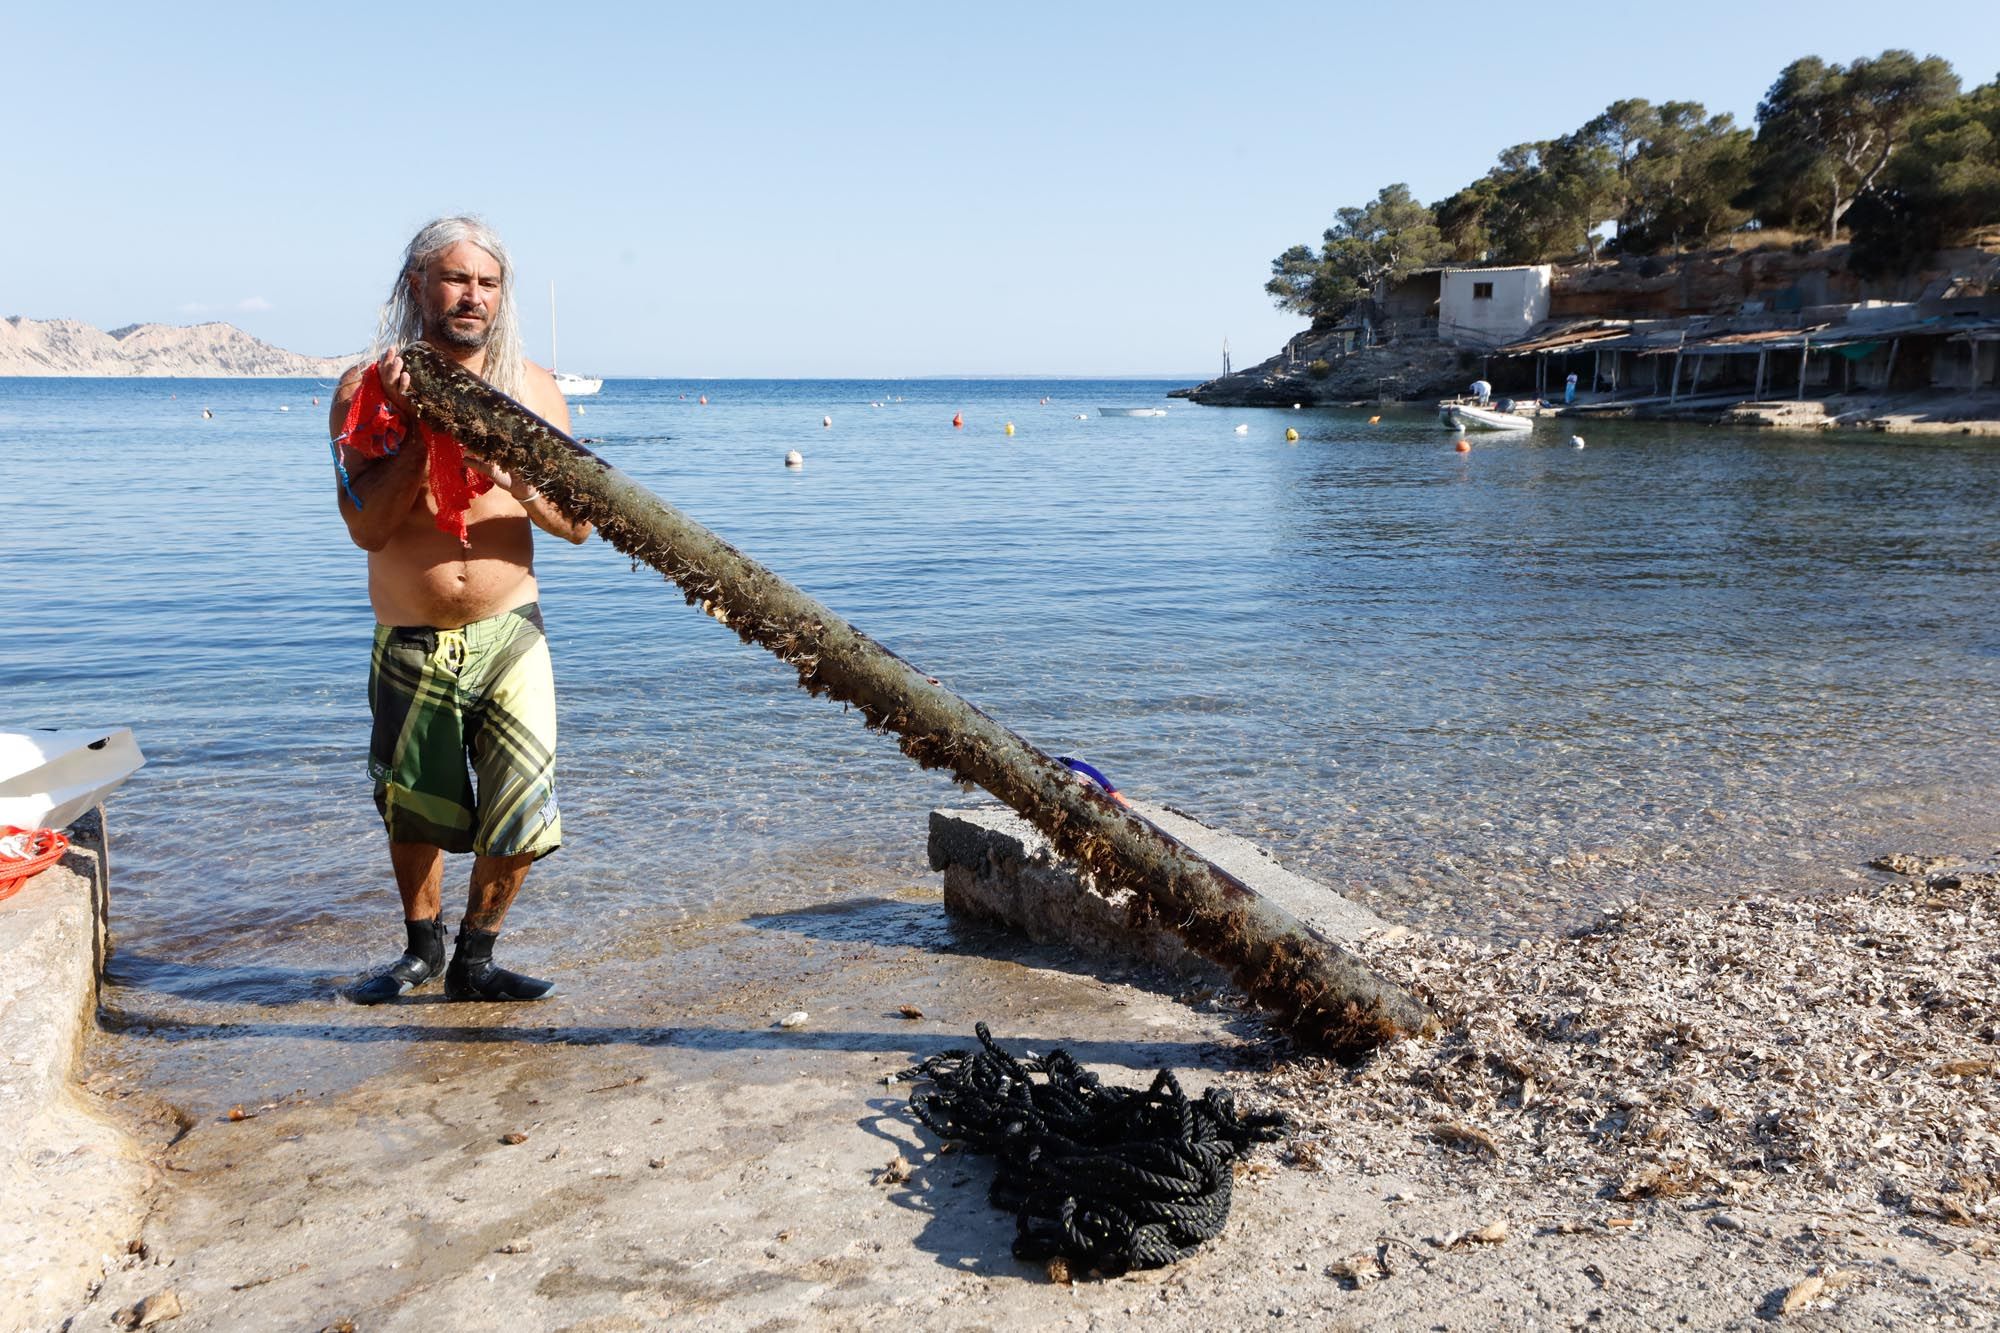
point(498, 475)
point(536, 505)
point(396, 385)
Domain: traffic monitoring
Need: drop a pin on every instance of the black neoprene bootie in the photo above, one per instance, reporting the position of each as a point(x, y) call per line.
point(423, 960)
point(474, 976)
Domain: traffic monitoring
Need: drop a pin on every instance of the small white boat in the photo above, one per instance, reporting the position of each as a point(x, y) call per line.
point(48, 779)
point(1131, 411)
point(1470, 416)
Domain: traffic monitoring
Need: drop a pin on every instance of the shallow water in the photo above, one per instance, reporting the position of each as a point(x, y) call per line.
point(1487, 692)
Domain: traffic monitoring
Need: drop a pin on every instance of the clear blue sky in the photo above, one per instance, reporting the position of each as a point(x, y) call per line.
point(803, 190)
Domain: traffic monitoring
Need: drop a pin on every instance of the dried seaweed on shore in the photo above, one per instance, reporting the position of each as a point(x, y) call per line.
point(1837, 1052)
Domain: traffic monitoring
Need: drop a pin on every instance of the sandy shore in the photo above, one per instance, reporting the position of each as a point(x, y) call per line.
point(1617, 1130)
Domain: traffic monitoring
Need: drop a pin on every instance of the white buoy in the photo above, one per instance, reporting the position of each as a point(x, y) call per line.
point(1576, 440)
point(793, 458)
point(283, 408)
point(207, 415)
point(826, 421)
point(1083, 416)
point(1243, 429)
point(1295, 407)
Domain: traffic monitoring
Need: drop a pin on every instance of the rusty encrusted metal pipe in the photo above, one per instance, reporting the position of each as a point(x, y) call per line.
point(1325, 995)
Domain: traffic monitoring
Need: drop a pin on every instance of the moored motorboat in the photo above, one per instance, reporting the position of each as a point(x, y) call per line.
point(50, 778)
point(1471, 416)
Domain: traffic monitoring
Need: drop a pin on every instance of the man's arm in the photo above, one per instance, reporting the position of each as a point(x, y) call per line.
point(387, 487)
point(540, 395)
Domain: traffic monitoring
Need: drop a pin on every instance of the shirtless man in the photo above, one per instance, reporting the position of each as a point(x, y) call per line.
point(460, 675)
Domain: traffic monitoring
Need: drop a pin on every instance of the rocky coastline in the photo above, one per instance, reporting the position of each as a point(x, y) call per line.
point(1421, 373)
point(1314, 374)
point(1397, 345)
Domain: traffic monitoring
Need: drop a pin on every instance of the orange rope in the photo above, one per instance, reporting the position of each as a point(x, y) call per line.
point(26, 853)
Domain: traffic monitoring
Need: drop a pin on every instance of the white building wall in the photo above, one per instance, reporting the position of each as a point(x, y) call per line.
point(1519, 301)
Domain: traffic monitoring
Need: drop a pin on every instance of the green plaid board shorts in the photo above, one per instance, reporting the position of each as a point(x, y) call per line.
point(464, 742)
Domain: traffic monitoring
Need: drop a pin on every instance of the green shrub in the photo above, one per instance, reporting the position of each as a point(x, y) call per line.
point(1320, 368)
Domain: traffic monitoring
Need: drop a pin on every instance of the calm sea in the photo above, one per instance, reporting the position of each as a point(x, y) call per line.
point(1485, 692)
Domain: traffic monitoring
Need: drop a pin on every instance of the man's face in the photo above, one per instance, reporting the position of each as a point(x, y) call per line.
point(459, 293)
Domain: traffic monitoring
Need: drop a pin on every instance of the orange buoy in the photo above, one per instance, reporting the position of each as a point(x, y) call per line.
point(704, 400)
point(1463, 447)
point(1374, 421)
point(958, 418)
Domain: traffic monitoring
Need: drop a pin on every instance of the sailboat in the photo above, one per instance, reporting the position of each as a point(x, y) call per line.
point(572, 386)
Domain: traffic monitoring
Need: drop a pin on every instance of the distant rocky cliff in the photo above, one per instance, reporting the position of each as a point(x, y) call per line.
point(70, 347)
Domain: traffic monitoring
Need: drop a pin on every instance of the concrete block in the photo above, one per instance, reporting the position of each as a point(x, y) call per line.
point(999, 868)
point(72, 1183)
point(89, 858)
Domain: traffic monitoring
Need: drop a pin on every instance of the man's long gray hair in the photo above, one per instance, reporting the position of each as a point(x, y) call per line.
point(402, 318)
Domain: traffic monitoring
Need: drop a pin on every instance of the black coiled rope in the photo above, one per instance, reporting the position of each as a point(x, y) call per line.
point(1106, 1177)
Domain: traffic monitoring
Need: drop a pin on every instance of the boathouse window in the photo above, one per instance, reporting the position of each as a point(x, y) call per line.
point(1482, 291)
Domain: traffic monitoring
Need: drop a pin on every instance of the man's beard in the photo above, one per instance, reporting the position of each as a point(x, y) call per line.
point(469, 341)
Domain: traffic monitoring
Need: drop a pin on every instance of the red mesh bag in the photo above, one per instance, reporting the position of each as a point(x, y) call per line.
point(373, 429)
